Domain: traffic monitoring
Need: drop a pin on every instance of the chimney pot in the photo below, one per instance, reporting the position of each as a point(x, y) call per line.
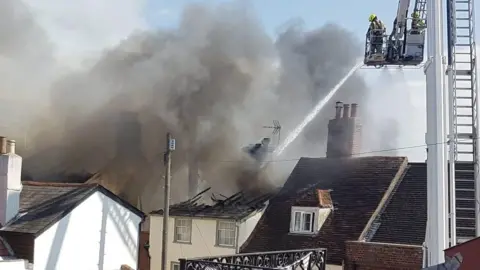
point(353, 112)
point(11, 146)
point(338, 110)
point(346, 110)
point(3, 145)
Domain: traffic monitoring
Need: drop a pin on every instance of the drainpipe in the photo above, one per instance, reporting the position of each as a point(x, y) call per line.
point(425, 254)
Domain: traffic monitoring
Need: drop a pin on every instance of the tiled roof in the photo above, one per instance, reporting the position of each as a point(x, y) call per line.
point(324, 198)
point(404, 219)
point(237, 206)
point(357, 186)
point(44, 203)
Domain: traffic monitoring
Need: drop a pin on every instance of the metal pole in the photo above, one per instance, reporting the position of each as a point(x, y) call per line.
point(452, 124)
point(435, 137)
point(166, 204)
point(452, 158)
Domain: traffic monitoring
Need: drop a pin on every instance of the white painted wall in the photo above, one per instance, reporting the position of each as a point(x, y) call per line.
point(246, 227)
point(97, 232)
point(13, 264)
point(203, 240)
point(333, 267)
point(10, 186)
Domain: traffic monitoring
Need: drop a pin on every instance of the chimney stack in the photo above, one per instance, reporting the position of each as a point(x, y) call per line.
point(3, 145)
point(344, 133)
point(353, 113)
point(11, 146)
point(346, 110)
point(10, 181)
point(338, 110)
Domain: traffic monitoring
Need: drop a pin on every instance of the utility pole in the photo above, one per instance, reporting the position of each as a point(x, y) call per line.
point(170, 147)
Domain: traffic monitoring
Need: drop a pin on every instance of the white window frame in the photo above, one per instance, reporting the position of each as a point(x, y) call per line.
point(306, 214)
point(222, 242)
point(183, 226)
point(174, 265)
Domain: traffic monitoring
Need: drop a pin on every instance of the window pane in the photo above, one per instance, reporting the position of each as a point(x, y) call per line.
point(226, 233)
point(313, 222)
point(306, 221)
point(183, 230)
point(297, 222)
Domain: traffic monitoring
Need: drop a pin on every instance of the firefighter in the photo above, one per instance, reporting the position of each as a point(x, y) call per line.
point(375, 33)
point(417, 23)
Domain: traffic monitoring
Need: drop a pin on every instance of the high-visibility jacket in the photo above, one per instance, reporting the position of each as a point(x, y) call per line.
point(377, 25)
point(417, 24)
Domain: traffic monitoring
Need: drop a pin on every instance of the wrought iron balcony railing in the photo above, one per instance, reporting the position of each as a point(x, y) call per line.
point(304, 259)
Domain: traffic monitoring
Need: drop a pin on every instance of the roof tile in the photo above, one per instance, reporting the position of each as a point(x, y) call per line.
point(357, 186)
point(324, 198)
point(43, 203)
point(404, 219)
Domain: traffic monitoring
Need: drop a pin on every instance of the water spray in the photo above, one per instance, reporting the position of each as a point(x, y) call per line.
point(294, 134)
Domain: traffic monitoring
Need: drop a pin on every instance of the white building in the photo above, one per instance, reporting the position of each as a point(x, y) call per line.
point(64, 226)
point(197, 230)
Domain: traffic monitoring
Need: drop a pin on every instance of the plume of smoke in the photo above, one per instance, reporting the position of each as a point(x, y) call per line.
point(212, 82)
point(198, 81)
point(313, 63)
point(25, 52)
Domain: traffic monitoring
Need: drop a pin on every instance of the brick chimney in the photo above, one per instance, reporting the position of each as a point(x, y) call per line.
point(344, 131)
point(10, 180)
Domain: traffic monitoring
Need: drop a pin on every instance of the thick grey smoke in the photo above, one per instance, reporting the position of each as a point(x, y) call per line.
point(314, 62)
point(26, 63)
point(213, 83)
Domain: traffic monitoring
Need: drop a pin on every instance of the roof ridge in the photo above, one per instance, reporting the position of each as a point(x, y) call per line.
point(57, 184)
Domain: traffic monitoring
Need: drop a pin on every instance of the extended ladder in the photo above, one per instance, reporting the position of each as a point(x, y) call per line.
point(463, 83)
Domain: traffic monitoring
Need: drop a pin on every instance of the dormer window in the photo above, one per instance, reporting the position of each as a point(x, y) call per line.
point(309, 220)
point(303, 221)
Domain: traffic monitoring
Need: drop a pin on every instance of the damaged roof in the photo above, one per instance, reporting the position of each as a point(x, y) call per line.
point(42, 204)
point(237, 206)
point(356, 187)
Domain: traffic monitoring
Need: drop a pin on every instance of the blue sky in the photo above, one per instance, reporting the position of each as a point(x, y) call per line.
point(353, 15)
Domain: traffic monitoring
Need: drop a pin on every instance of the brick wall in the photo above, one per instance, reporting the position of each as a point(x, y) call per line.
point(469, 251)
point(379, 256)
point(344, 134)
point(143, 256)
